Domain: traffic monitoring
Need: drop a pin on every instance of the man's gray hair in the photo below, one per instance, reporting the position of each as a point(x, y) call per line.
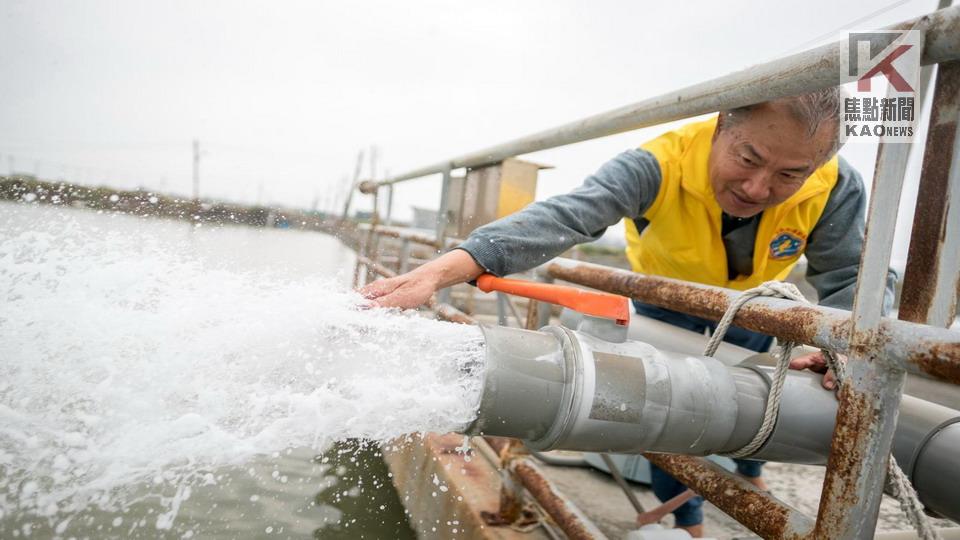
point(812, 110)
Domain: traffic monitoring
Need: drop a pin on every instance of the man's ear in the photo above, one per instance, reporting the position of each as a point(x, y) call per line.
point(720, 121)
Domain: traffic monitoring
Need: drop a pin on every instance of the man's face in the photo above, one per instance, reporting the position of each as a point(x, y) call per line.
point(764, 159)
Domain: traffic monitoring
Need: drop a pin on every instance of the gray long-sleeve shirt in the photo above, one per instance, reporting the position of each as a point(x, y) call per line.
point(627, 185)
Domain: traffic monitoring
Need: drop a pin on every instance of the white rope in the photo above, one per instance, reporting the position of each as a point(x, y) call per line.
point(770, 288)
point(897, 484)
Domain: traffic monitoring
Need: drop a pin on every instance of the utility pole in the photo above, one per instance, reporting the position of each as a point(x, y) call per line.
point(196, 169)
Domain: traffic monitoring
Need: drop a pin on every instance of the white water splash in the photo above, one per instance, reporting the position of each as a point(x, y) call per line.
point(124, 360)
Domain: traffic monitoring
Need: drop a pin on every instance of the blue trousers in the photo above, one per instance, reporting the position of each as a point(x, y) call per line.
point(666, 487)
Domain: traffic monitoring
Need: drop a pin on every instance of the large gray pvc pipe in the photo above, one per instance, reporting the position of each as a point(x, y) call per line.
point(562, 389)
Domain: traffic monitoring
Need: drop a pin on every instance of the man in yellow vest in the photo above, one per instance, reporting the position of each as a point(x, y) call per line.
point(732, 201)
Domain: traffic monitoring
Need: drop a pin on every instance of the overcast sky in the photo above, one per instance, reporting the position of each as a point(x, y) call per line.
point(282, 95)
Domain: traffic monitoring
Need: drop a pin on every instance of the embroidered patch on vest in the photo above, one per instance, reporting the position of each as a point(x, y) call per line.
point(787, 243)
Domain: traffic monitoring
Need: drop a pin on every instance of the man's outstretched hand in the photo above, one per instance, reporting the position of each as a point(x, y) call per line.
point(817, 363)
point(405, 291)
point(415, 288)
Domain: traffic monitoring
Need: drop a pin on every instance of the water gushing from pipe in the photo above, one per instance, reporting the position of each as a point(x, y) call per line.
point(127, 360)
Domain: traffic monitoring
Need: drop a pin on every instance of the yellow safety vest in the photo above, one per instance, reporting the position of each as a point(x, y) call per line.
point(683, 239)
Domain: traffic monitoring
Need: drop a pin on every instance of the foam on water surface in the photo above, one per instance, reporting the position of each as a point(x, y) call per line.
point(126, 361)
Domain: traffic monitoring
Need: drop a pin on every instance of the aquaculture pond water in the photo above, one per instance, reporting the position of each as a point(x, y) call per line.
point(164, 379)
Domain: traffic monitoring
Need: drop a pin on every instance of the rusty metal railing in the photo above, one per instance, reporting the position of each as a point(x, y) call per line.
point(881, 350)
point(918, 348)
point(934, 255)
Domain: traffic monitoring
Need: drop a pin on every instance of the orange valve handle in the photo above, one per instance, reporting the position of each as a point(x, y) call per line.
point(597, 304)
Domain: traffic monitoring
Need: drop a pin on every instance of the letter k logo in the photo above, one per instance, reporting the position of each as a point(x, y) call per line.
point(885, 66)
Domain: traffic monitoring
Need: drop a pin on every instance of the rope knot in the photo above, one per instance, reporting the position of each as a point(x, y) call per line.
point(780, 289)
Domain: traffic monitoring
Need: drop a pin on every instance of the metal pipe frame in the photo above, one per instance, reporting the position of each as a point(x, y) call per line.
point(373, 239)
point(932, 277)
point(502, 309)
point(516, 471)
point(757, 510)
point(880, 349)
point(389, 218)
point(918, 348)
point(792, 75)
point(403, 257)
point(442, 220)
point(417, 238)
point(563, 512)
point(870, 395)
point(361, 247)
